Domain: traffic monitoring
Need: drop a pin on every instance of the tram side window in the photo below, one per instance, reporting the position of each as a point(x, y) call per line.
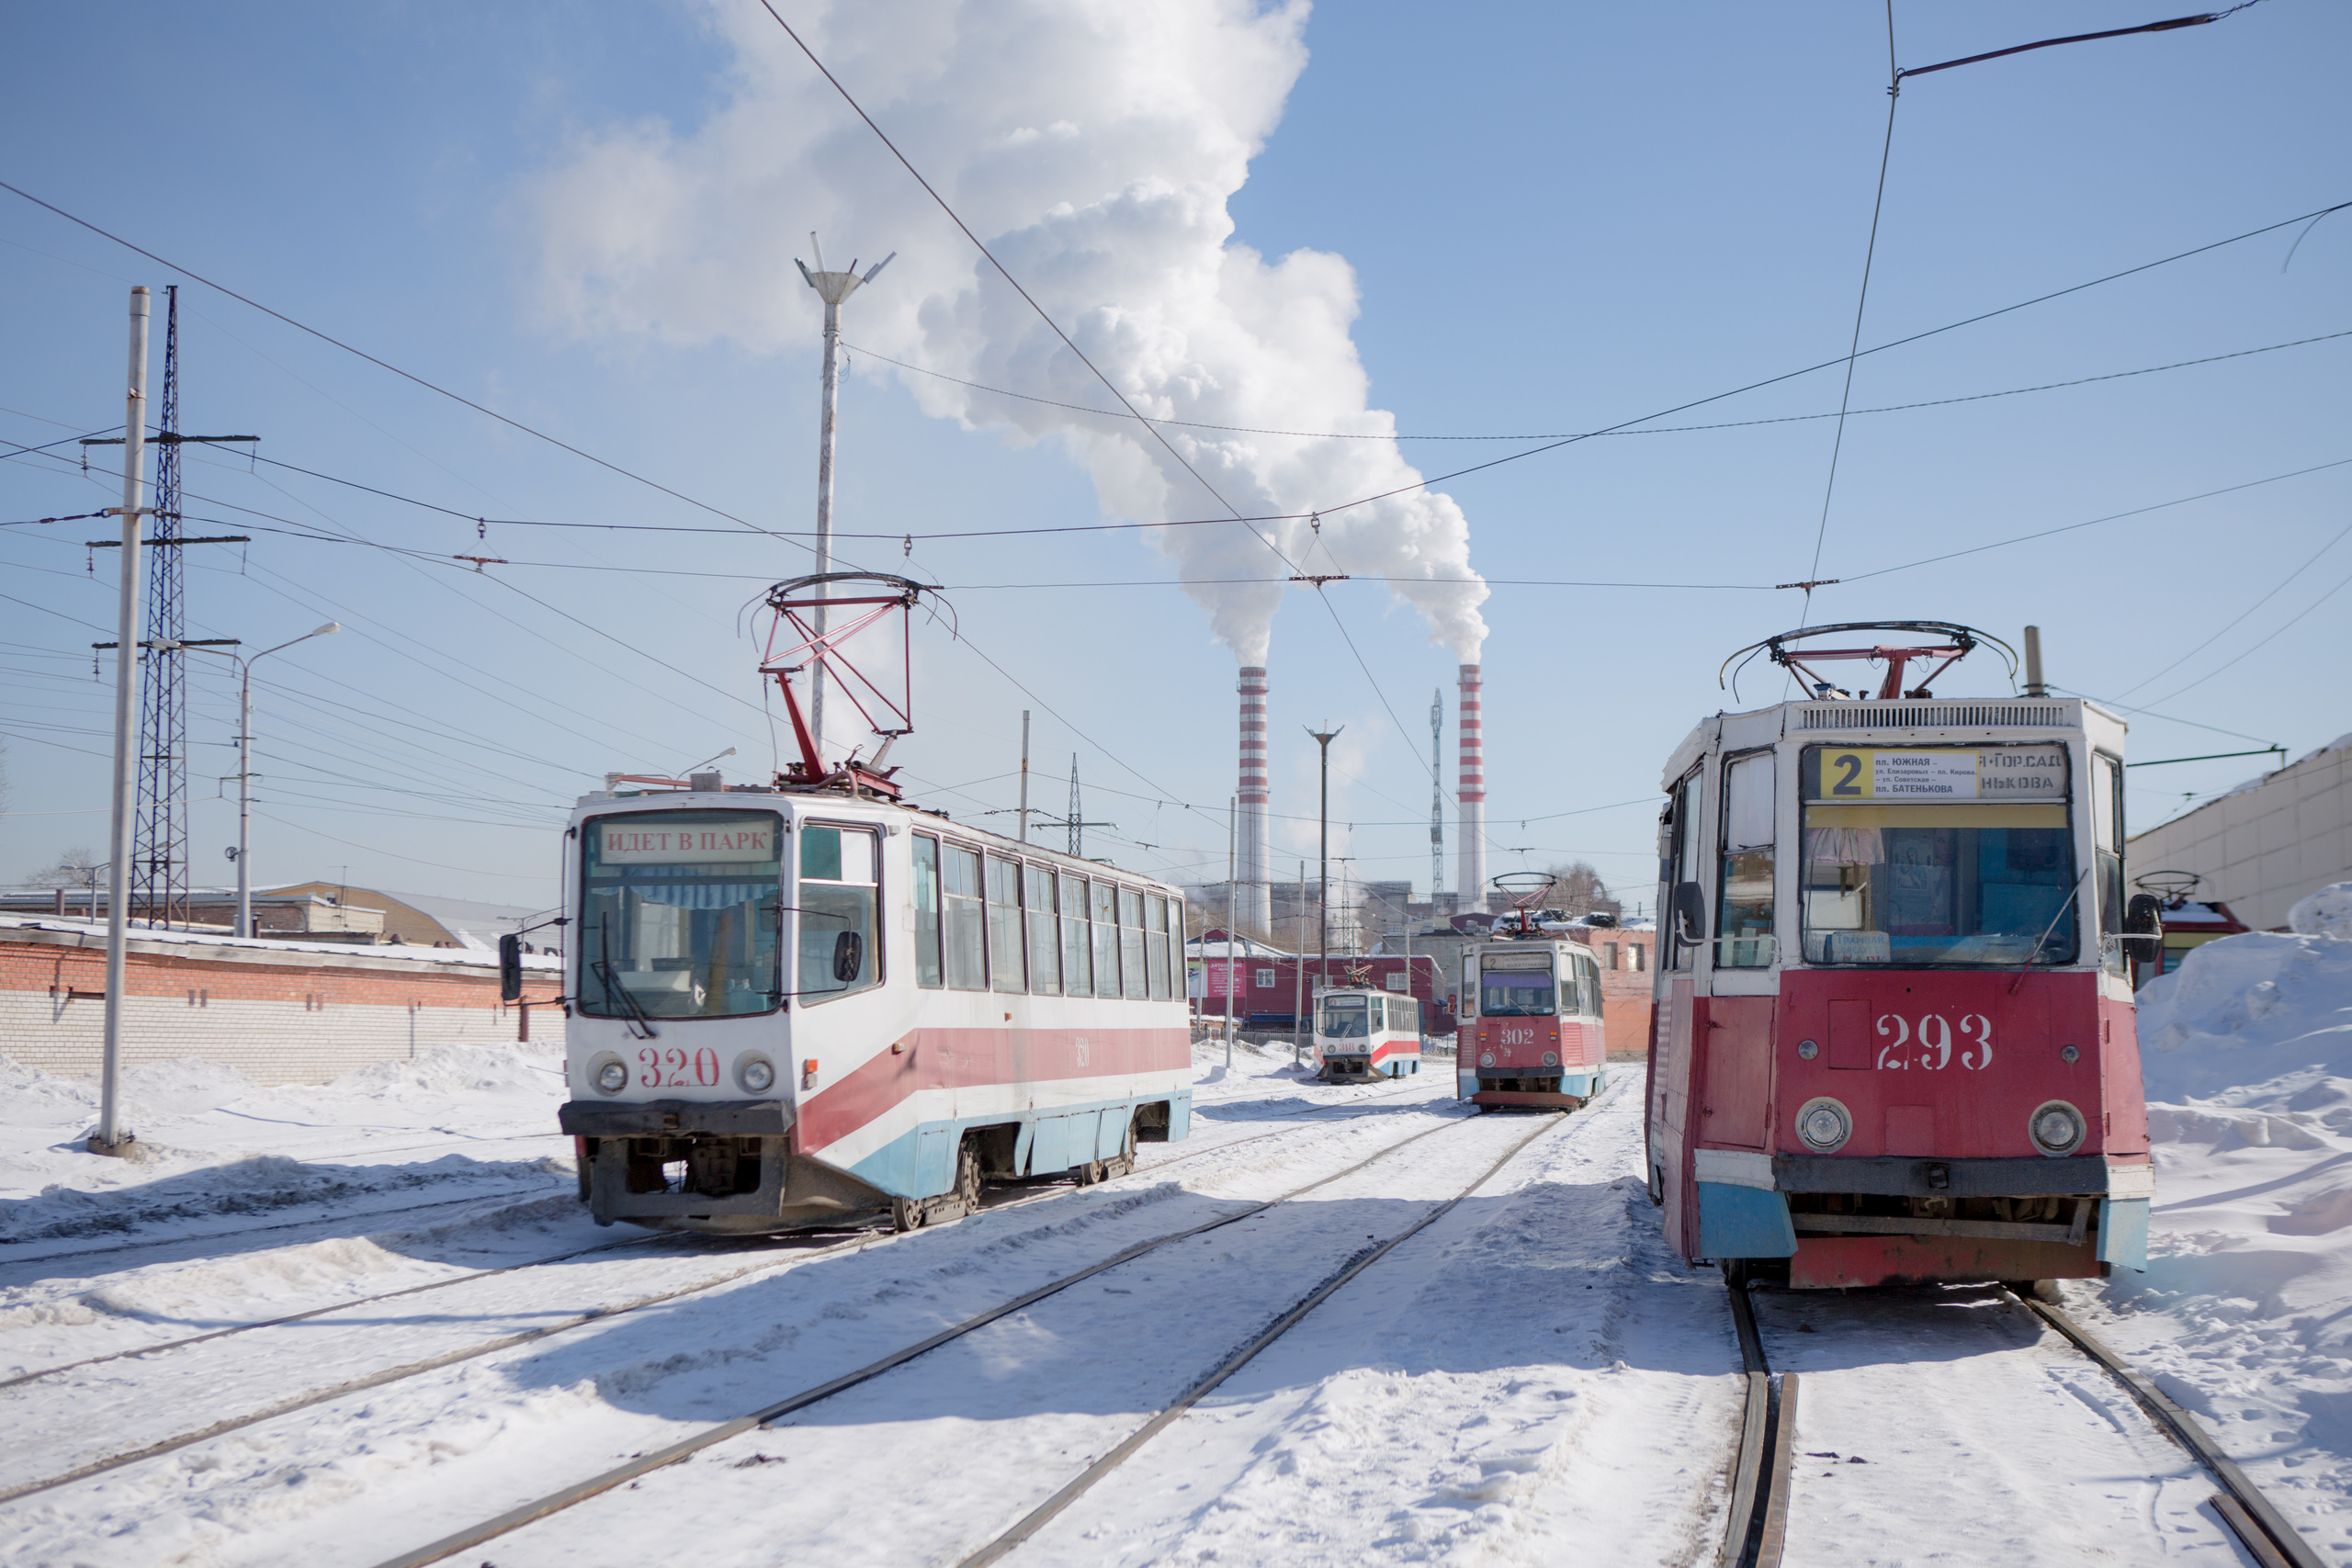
point(1744, 896)
point(927, 969)
point(1588, 986)
point(1044, 941)
point(2106, 833)
point(1005, 972)
point(1404, 1015)
point(1176, 966)
point(840, 878)
point(1103, 903)
point(965, 934)
point(1681, 864)
point(1131, 948)
point(1077, 972)
point(1155, 945)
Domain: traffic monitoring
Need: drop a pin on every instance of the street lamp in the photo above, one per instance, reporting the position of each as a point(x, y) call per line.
point(244, 926)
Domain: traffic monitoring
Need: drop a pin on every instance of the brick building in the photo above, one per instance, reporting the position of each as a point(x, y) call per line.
point(279, 1011)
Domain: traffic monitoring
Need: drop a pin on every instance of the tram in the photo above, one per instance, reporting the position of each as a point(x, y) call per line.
point(1362, 1033)
point(807, 1002)
point(1893, 1032)
point(1534, 1036)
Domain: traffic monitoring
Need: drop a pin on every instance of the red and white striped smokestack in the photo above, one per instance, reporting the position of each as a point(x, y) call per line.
point(1472, 792)
point(1254, 898)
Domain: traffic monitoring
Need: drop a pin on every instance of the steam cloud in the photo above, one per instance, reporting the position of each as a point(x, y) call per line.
point(1093, 145)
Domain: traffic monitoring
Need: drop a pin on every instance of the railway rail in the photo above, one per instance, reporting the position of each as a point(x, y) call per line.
point(1355, 1264)
point(470, 1275)
point(474, 1350)
point(1756, 1525)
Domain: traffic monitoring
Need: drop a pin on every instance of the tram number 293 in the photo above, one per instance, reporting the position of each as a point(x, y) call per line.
point(674, 1068)
point(1929, 1046)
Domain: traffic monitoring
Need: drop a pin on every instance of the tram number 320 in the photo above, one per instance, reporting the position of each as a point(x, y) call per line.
point(671, 1068)
point(1929, 1046)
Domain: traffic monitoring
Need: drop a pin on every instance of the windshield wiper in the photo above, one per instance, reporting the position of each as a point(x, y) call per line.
point(640, 1026)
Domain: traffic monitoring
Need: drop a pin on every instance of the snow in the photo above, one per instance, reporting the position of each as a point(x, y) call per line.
point(2327, 912)
point(2244, 1315)
point(1533, 1378)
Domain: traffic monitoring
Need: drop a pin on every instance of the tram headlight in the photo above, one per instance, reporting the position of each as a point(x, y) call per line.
point(756, 1074)
point(609, 1074)
point(1551, 1058)
point(1486, 1058)
point(1824, 1125)
point(2057, 1128)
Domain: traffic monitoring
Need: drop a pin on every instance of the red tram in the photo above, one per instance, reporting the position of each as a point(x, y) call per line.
point(1893, 1036)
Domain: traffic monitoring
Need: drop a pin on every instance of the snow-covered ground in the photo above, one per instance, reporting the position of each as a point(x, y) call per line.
point(2244, 1315)
point(1533, 1378)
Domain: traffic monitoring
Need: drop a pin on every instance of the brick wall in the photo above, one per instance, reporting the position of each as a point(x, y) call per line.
point(277, 1011)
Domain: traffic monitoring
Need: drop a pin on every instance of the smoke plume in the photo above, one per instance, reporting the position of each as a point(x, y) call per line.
point(1093, 145)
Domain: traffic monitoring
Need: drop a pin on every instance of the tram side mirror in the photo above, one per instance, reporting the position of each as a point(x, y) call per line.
point(849, 956)
point(2143, 916)
point(510, 967)
point(1690, 911)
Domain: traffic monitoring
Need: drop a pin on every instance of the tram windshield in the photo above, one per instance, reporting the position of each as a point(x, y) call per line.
point(679, 914)
point(1938, 856)
point(1345, 1017)
point(1517, 994)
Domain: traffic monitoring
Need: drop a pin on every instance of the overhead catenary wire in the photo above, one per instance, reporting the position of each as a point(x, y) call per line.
point(1854, 347)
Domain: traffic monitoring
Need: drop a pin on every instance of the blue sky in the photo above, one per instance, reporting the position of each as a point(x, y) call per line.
point(1558, 218)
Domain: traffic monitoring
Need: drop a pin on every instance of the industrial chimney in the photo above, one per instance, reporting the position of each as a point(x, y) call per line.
point(1255, 897)
point(1473, 796)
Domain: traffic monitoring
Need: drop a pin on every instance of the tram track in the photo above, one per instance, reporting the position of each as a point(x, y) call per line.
point(470, 1276)
point(1762, 1470)
point(858, 1240)
point(647, 1463)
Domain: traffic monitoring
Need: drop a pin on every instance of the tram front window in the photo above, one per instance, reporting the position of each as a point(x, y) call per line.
point(1344, 1018)
point(679, 915)
point(1928, 856)
point(1517, 994)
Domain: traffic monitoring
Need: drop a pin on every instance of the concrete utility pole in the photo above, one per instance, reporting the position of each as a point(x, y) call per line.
point(1323, 872)
point(1024, 775)
point(2034, 685)
point(832, 288)
point(111, 1138)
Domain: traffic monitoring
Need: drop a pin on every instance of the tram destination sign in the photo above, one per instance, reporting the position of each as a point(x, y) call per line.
point(1991, 772)
point(744, 842)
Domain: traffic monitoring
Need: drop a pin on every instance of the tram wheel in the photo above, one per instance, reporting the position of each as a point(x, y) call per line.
point(967, 1176)
point(906, 1214)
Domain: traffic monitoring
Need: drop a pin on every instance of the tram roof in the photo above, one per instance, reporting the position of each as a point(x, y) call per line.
point(1919, 721)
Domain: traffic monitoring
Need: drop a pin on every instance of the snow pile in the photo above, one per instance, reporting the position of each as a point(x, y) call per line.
point(2327, 912)
point(213, 1144)
point(2244, 1315)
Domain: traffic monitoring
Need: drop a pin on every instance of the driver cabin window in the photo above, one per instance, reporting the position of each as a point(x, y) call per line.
point(840, 874)
point(1744, 894)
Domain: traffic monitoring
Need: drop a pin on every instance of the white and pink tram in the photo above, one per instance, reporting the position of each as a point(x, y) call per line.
point(1362, 1033)
point(802, 1003)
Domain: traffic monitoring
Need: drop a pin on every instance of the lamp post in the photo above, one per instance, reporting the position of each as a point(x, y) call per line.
point(1323, 872)
point(244, 926)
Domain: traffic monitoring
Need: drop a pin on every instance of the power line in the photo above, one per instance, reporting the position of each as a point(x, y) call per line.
point(1569, 435)
point(387, 364)
point(1886, 153)
point(2250, 609)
